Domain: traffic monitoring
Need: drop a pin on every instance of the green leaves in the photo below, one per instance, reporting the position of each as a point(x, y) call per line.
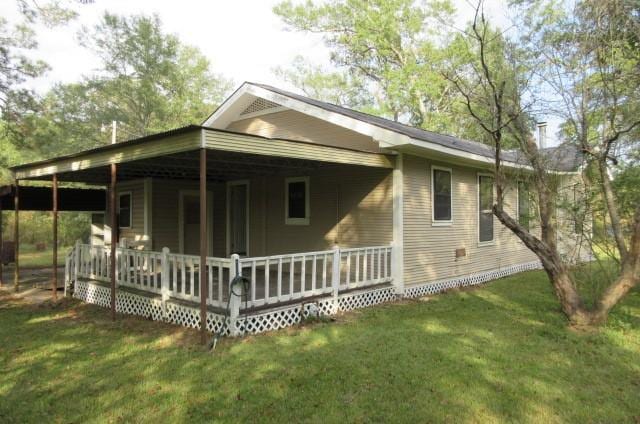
point(392, 49)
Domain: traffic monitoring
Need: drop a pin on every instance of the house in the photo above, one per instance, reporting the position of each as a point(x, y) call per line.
point(321, 207)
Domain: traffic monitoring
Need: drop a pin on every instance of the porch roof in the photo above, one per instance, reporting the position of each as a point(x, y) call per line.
point(171, 154)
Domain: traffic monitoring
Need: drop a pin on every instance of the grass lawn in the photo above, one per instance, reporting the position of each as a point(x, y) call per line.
point(494, 354)
point(32, 258)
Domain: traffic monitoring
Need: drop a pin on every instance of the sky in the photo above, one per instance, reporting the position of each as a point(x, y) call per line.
point(243, 39)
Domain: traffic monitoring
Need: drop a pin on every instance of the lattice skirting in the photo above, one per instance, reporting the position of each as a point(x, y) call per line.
point(276, 318)
point(285, 317)
point(468, 280)
point(133, 304)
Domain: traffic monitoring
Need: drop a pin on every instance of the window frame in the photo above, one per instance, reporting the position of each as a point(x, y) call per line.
point(478, 211)
point(441, 222)
point(307, 201)
point(120, 195)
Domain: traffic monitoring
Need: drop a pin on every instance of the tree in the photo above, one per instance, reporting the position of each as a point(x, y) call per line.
point(333, 86)
point(602, 51)
point(17, 68)
point(393, 48)
point(148, 80)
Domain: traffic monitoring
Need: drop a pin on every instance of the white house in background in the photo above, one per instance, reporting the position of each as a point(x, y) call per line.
point(321, 204)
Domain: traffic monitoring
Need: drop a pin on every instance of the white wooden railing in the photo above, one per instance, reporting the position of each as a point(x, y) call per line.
point(365, 266)
point(183, 278)
point(140, 269)
point(282, 278)
point(273, 279)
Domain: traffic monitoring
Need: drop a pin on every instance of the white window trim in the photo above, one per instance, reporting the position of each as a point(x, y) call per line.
point(130, 194)
point(440, 222)
point(493, 233)
point(307, 203)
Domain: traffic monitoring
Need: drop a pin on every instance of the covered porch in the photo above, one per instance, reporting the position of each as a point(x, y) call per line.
point(300, 220)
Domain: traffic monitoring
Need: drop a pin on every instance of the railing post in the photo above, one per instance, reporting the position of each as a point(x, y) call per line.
point(335, 275)
point(76, 265)
point(234, 301)
point(164, 279)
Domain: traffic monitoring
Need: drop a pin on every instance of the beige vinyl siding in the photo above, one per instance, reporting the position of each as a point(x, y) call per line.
point(166, 201)
point(355, 214)
point(136, 188)
point(429, 251)
point(574, 245)
point(349, 206)
point(295, 125)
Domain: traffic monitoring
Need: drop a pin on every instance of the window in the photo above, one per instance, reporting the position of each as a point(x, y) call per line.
point(297, 201)
point(485, 205)
point(523, 204)
point(441, 196)
point(124, 210)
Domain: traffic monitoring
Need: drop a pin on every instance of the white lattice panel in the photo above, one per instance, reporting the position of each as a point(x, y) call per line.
point(92, 293)
point(217, 324)
point(132, 304)
point(364, 299)
point(183, 315)
point(268, 321)
point(468, 280)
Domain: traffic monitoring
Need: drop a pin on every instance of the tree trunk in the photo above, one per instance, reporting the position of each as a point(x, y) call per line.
point(612, 208)
point(559, 276)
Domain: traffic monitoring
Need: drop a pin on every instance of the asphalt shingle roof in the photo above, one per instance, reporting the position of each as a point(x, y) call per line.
point(561, 158)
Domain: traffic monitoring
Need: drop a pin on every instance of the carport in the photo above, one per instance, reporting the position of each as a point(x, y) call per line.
point(52, 199)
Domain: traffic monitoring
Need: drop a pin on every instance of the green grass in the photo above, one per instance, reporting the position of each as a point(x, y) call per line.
point(32, 258)
point(500, 353)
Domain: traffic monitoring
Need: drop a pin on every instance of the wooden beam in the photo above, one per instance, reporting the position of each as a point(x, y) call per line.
point(203, 246)
point(16, 239)
point(114, 238)
point(54, 213)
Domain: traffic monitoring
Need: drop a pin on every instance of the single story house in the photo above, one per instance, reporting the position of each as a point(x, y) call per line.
point(321, 207)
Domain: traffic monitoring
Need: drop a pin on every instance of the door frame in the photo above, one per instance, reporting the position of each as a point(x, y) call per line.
point(181, 195)
point(230, 184)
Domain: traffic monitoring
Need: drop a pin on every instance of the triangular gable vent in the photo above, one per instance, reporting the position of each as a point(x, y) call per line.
point(259, 105)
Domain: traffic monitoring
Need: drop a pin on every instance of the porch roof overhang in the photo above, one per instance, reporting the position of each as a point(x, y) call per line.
point(171, 154)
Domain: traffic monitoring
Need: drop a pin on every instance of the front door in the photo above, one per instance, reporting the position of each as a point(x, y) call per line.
point(238, 203)
point(191, 224)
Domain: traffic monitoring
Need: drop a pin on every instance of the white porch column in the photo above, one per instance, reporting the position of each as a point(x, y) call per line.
point(397, 256)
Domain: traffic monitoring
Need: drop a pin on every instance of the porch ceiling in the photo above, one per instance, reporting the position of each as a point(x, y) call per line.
point(174, 155)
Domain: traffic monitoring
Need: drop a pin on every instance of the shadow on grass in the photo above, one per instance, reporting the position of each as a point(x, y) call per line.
point(498, 353)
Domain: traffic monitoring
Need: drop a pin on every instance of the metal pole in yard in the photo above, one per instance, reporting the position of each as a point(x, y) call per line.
point(203, 245)
point(114, 238)
point(16, 239)
point(54, 212)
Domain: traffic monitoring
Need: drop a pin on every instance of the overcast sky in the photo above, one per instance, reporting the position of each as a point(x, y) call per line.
point(243, 39)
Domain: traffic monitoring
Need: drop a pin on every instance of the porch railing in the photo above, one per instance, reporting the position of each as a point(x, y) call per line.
point(274, 279)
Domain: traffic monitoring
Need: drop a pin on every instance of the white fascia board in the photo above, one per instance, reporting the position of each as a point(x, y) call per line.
point(230, 109)
point(325, 115)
